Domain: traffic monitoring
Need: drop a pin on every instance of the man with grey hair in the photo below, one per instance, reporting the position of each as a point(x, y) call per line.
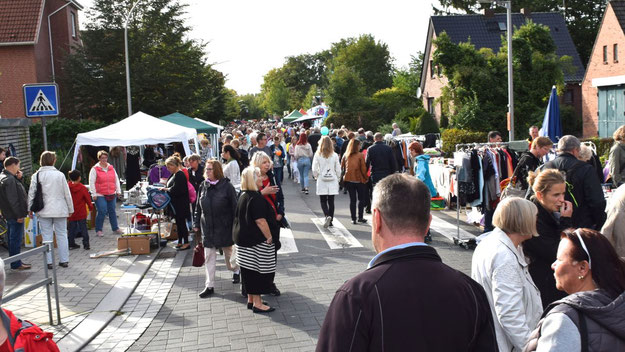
point(583, 186)
point(407, 299)
point(314, 138)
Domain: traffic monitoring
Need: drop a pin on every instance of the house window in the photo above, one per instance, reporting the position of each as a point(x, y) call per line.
point(431, 106)
point(615, 53)
point(605, 54)
point(432, 69)
point(568, 97)
point(73, 16)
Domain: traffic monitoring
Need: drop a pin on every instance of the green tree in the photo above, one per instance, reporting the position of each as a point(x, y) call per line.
point(408, 79)
point(169, 72)
point(583, 17)
point(367, 58)
point(252, 103)
point(275, 96)
point(476, 96)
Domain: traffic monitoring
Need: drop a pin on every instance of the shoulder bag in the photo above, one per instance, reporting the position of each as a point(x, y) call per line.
point(38, 200)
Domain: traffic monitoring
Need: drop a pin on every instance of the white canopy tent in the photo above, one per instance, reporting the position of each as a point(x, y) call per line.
point(138, 129)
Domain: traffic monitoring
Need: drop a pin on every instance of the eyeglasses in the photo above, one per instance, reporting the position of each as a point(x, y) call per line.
point(581, 241)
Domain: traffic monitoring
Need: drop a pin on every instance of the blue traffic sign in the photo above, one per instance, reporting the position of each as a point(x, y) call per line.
point(41, 99)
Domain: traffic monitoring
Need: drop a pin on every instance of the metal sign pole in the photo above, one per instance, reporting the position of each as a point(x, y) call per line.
point(45, 136)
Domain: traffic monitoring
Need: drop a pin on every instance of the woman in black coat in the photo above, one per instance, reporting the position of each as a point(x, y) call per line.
point(254, 232)
point(179, 192)
point(554, 216)
point(214, 215)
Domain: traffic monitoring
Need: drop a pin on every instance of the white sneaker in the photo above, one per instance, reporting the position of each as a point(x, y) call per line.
point(327, 223)
point(119, 231)
point(100, 233)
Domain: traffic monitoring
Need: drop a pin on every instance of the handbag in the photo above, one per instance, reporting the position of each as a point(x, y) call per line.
point(198, 255)
point(38, 200)
point(512, 189)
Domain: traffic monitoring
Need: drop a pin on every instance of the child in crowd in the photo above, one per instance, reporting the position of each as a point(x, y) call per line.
point(78, 221)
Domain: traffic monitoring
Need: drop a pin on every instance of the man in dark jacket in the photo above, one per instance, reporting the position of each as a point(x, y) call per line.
point(381, 159)
point(407, 299)
point(314, 138)
point(583, 189)
point(14, 207)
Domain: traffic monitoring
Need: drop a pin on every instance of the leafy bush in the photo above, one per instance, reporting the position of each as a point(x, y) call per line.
point(603, 146)
point(388, 127)
point(368, 120)
point(452, 136)
point(61, 135)
point(426, 124)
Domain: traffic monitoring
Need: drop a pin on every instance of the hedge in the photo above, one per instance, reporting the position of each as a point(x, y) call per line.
point(452, 136)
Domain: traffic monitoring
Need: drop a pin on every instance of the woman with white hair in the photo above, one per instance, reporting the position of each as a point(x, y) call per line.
point(499, 265)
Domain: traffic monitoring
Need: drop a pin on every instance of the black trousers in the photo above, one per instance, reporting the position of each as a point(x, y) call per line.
point(183, 231)
point(327, 205)
point(360, 190)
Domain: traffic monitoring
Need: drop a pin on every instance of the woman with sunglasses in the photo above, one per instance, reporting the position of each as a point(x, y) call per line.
point(590, 318)
point(554, 215)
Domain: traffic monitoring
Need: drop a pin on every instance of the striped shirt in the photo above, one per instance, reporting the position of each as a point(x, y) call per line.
point(260, 258)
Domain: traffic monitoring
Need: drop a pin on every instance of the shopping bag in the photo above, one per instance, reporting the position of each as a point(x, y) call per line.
point(198, 255)
point(30, 231)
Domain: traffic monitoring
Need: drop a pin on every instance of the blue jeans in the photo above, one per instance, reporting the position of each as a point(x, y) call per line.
point(278, 173)
point(105, 207)
point(303, 165)
point(14, 238)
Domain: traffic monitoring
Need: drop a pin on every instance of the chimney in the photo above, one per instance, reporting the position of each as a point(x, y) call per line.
point(489, 13)
point(526, 12)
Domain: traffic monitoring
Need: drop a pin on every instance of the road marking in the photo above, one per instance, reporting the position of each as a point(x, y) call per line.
point(442, 227)
point(288, 242)
point(337, 236)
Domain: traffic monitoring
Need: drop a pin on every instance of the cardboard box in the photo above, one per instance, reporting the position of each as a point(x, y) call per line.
point(137, 244)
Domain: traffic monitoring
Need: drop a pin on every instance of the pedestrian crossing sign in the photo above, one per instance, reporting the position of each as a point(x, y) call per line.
point(41, 99)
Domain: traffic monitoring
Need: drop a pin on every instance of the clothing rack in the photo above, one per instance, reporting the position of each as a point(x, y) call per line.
point(468, 243)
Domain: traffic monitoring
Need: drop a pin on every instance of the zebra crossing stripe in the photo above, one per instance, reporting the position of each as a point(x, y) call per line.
point(288, 242)
point(442, 227)
point(337, 236)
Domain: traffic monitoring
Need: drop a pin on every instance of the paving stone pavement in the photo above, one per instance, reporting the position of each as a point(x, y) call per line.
point(308, 280)
point(81, 286)
point(142, 306)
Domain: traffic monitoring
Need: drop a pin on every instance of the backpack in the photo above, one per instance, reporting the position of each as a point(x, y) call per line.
point(192, 192)
point(27, 337)
point(158, 199)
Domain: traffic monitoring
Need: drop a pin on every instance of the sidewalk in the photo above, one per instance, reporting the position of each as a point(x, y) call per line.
point(82, 286)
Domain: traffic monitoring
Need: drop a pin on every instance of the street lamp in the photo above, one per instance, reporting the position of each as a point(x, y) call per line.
point(508, 5)
point(128, 98)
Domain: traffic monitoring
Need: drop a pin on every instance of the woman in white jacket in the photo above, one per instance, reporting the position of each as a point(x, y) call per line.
point(326, 169)
point(57, 205)
point(499, 266)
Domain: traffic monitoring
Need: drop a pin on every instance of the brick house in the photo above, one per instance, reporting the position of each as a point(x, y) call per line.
point(603, 87)
point(485, 31)
point(26, 43)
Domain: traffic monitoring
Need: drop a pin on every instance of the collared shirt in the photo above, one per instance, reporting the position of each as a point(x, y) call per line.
point(400, 246)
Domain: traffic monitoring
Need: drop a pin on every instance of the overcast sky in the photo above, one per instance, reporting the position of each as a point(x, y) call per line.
point(247, 38)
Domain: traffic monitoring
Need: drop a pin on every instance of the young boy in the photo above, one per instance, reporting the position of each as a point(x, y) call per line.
point(78, 220)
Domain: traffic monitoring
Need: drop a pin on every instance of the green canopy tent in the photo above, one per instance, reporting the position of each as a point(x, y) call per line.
point(294, 115)
point(199, 125)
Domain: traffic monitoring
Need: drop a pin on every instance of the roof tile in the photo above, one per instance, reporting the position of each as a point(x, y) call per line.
point(19, 20)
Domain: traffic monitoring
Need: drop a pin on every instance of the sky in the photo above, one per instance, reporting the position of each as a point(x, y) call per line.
point(247, 38)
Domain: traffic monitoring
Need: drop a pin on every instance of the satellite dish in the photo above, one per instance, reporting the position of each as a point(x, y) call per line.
point(419, 93)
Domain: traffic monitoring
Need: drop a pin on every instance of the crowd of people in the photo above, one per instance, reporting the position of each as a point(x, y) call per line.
point(545, 276)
